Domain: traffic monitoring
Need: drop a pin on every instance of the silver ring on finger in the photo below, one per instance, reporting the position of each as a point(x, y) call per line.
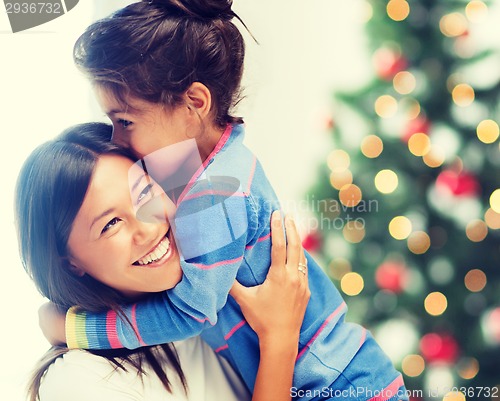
point(302, 269)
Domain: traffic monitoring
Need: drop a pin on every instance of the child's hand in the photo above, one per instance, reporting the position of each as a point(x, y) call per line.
point(52, 322)
point(275, 309)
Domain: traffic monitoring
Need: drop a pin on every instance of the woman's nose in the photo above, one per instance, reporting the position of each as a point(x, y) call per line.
point(144, 232)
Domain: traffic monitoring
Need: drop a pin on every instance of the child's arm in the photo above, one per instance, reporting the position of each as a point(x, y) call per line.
point(202, 222)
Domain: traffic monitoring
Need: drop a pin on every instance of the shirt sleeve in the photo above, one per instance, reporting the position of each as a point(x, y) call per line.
point(212, 227)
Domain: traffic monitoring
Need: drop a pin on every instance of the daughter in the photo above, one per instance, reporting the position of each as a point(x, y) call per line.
point(168, 73)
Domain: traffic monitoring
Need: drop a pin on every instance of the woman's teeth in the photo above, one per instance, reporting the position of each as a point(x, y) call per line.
point(157, 253)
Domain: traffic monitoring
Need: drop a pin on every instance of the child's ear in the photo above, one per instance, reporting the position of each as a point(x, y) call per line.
point(199, 99)
point(73, 268)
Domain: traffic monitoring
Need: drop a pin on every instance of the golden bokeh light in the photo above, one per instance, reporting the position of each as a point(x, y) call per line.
point(350, 195)
point(435, 303)
point(372, 146)
point(488, 131)
point(492, 219)
point(495, 200)
point(404, 82)
point(340, 178)
point(454, 396)
point(419, 242)
point(354, 232)
point(398, 10)
point(468, 368)
point(463, 95)
point(386, 106)
point(338, 160)
point(339, 267)
point(386, 181)
point(419, 144)
point(452, 25)
point(411, 108)
point(475, 280)
point(435, 157)
point(400, 227)
point(352, 284)
point(476, 230)
point(413, 365)
point(476, 11)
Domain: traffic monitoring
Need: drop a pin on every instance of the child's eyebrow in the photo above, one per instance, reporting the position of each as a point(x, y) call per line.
point(113, 112)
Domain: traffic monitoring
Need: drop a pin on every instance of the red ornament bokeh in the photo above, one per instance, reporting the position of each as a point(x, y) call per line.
point(457, 183)
point(439, 347)
point(392, 276)
point(417, 125)
point(312, 241)
point(388, 63)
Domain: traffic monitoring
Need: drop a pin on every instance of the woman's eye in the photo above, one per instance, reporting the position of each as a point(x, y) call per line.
point(124, 123)
point(110, 224)
point(145, 192)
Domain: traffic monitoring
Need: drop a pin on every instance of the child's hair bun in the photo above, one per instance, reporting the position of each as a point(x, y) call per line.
point(205, 9)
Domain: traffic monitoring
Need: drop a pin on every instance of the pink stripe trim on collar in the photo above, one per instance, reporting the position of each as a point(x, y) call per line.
point(222, 141)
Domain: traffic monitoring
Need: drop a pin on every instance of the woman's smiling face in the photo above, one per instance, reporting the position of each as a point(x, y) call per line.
point(110, 243)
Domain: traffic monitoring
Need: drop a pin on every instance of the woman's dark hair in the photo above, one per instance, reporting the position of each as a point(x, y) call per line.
point(155, 50)
point(50, 190)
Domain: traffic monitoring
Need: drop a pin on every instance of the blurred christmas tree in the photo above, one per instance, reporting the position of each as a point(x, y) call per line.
point(408, 200)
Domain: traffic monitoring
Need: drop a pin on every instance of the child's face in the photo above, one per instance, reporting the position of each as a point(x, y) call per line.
point(111, 244)
point(142, 126)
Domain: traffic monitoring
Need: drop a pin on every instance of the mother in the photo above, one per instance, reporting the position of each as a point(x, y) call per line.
point(78, 185)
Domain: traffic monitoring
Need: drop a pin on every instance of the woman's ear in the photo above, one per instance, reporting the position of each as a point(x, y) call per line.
point(199, 99)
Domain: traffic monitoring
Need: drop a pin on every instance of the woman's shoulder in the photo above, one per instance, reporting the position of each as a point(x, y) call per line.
point(79, 375)
point(82, 376)
point(77, 362)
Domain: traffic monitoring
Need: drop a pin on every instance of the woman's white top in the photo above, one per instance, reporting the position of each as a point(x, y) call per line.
point(82, 376)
